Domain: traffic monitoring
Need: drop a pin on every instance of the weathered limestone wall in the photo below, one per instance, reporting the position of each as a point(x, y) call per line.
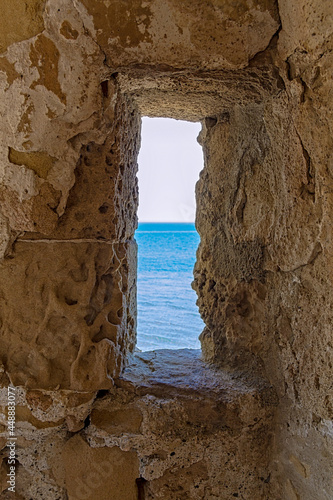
point(171, 427)
point(75, 77)
point(264, 270)
point(304, 322)
point(70, 284)
point(264, 291)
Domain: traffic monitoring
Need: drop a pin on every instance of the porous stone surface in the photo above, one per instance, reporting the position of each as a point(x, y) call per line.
point(164, 431)
point(73, 322)
point(191, 33)
point(263, 274)
point(75, 76)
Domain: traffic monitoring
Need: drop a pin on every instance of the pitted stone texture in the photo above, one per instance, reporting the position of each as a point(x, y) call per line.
point(303, 299)
point(303, 349)
point(91, 473)
point(196, 423)
point(193, 95)
point(263, 273)
point(247, 231)
point(50, 95)
point(103, 201)
point(180, 34)
point(74, 319)
point(306, 26)
point(182, 429)
point(52, 466)
point(56, 97)
point(58, 100)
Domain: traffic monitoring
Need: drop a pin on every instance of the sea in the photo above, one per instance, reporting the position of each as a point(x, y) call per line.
point(168, 316)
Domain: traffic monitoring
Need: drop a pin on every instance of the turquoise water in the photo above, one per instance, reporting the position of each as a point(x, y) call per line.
point(168, 317)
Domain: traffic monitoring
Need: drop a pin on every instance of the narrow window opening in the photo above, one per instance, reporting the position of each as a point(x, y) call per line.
point(170, 160)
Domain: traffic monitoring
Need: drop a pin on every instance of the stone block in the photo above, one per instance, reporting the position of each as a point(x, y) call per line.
point(67, 313)
point(90, 473)
point(205, 433)
point(122, 420)
point(179, 34)
point(102, 202)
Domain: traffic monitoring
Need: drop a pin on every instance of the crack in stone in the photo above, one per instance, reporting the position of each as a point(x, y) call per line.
point(275, 35)
point(87, 32)
point(310, 188)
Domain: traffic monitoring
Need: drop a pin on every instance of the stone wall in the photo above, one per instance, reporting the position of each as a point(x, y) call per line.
point(70, 284)
point(254, 419)
point(263, 273)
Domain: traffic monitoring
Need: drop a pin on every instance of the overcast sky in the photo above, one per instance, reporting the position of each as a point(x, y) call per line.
point(170, 160)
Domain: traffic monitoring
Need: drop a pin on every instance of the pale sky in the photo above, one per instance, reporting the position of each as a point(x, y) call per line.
point(170, 160)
